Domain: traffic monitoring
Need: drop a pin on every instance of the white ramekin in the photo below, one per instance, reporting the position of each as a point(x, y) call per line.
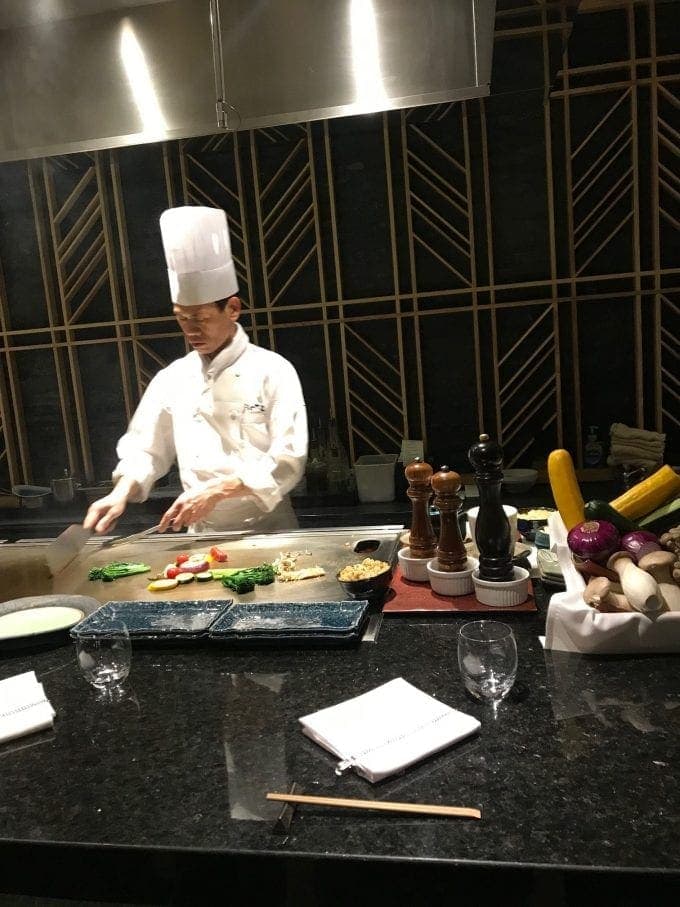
point(444, 582)
point(502, 595)
point(412, 568)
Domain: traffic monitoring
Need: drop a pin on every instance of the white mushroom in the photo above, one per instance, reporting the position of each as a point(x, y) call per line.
point(639, 587)
point(660, 564)
point(605, 596)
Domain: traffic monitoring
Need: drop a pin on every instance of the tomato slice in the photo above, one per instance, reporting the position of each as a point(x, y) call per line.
point(181, 558)
point(218, 555)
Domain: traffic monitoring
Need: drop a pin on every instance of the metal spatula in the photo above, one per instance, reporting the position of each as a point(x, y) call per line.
point(131, 538)
point(66, 547)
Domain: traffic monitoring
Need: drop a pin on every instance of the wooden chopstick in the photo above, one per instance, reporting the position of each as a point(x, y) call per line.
point(384, 805)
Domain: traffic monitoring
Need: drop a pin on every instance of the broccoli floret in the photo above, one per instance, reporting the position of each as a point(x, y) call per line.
point(245, 580)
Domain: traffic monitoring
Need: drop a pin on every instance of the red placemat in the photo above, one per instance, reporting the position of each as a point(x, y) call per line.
point(406, 597)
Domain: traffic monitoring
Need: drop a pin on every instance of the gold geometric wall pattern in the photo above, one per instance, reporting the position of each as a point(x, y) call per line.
point(79, 244)
point(287, 216)
point(505, 248)
point(668, 162)
point(375, 388)
point(206, 180)
point(602, 177)
point(438, 198)
point(669, 366)
point(666, 233)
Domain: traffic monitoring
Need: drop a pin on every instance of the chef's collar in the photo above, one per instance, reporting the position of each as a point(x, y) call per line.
point(228, 355)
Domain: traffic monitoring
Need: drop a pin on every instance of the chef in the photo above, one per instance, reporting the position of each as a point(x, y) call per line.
point(230, 413)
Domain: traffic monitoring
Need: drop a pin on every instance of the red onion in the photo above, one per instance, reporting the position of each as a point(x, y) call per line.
point(594, 540)
point(639, 542)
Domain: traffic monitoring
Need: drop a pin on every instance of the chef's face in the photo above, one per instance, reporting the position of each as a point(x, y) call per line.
point(208, 328)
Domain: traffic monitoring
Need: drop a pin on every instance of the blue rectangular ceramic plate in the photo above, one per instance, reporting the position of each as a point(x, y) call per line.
point(341, 621)
point(157, 619)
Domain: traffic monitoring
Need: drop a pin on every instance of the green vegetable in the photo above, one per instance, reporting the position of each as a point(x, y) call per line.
point(663, 518)
point(115, 570)
point(245, 579)
point(601, 510)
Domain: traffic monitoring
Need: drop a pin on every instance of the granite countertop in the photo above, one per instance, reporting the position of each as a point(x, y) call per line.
point(575, 770)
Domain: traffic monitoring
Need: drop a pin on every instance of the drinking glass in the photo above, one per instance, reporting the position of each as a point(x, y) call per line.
point(487, 658)
point(104, 657)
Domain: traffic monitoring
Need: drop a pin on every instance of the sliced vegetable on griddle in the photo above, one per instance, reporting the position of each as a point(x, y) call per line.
point(162, 585)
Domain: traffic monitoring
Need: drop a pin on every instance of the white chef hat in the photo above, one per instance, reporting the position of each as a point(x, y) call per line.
point(198, 255)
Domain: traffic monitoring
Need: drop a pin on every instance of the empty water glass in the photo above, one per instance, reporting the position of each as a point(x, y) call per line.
point(104, 657)
point(487, 658)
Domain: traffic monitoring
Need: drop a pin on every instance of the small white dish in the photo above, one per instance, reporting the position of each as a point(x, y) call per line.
point(35, 621)
point(412, 568)
point(444, 582)
point(502, 595)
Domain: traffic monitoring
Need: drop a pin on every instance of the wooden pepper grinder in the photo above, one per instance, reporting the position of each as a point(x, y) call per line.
point(422, 538)
point(451, 553)
point(492, 528)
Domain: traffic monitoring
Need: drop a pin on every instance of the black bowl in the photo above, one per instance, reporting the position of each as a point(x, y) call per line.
point(372, 589)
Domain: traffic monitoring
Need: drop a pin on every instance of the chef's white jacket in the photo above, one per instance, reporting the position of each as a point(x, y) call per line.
point(241, 414)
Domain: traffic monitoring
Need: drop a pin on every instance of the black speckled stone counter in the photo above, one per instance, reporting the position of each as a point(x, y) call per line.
point(145, 797)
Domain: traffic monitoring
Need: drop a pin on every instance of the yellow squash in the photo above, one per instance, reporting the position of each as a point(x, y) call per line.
point(648, 494)
point(565, 488)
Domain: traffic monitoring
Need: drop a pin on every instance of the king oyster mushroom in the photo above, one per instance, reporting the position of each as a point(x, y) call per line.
point(605, 596)
point(660, 564)
point(639, 587)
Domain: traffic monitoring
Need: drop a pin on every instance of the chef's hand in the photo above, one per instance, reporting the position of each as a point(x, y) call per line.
point(193, 506)
point(102, 515)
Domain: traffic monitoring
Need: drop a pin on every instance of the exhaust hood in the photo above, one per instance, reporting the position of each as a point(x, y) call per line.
point(92, 74)
point(286, 62)
point(81, 75)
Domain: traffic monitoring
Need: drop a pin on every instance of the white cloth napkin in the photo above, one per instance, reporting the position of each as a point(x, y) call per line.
point(573, 626)
point(24, 708)
point(387, 729)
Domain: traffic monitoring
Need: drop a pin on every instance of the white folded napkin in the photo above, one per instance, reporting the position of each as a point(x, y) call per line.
point(24, 708)
point(387, 729)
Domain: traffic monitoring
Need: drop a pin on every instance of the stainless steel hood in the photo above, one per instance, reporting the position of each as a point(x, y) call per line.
point(95, 74)
point(80, 75)
point(286, 62)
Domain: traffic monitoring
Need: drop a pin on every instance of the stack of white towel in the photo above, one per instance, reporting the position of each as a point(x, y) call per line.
point(636, 447)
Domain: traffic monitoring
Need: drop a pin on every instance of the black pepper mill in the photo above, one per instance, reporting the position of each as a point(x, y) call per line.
point(451, 553)
point(492, 528)
point(422, 539)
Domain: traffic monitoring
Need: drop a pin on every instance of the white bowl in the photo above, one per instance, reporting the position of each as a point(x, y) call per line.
point(412, 568)
point(444, 582)
point(502, 595)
